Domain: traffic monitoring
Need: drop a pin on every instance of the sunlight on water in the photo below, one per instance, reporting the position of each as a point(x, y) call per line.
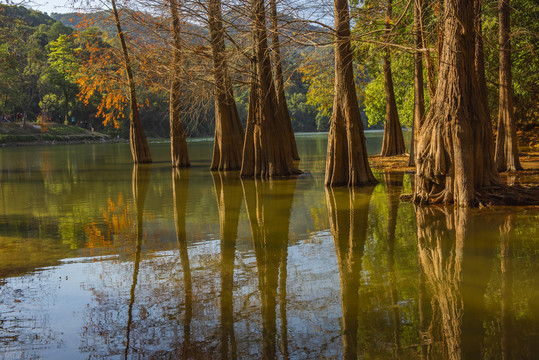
point(101, 260)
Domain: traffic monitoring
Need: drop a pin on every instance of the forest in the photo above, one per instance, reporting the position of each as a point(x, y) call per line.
point(253, 73)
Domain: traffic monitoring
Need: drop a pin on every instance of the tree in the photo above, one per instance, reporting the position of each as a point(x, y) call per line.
point(266, 148)
point(419, 94)
point(346, 162)
point(455, 150)
point(279, 81)
point(228, 139)
point(137, 138)
point(506, 141)
point(393, 142)
point(178, 143)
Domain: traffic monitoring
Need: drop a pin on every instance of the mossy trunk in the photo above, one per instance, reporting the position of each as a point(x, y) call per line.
point(506, 141)
point(393, 141)
point(228, 138)
point(137, 137)
point(279, 81)
point(347, 163)
point(178, 144)
point(270, 146)
point(455, 150)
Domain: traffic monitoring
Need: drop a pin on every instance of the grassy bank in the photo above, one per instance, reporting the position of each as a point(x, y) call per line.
point(12, 134)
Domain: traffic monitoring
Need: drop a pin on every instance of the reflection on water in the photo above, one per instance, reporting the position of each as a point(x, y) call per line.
point(102, 260)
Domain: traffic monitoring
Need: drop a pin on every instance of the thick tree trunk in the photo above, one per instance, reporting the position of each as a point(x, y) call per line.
point(279, 81)
point(455, 149)
point(178, 143)
point(506, 141)
point(348, 217)
point(393, 142)
point(272, 154)
point(229, 195)
point(269, 217)
point(180, 189)
point(419, 93)
point(137, 138)
point(347, 163)
point(228, 139)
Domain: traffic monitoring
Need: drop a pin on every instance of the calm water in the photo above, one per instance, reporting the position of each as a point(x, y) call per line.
point(101, 260)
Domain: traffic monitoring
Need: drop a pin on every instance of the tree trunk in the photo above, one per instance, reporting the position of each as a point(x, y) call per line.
point(419, 94)
point(271, 151)
point(455, 148)
point(347, 163)
point(506, 141)
point(348, 217)
point(137, 138)
point(178, 144)
point(228, 139)
point(393, 142)
point(279, 81)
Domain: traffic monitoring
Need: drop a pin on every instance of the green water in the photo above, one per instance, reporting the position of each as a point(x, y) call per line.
point(102, 260)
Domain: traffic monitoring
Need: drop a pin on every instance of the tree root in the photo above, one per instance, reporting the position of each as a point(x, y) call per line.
point(499, 195)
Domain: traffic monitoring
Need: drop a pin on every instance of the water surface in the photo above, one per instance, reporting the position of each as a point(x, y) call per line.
point(99, 259)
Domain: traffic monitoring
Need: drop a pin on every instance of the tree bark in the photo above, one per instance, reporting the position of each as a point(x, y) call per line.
point(137, 138)
point(347, 163)
point(419, 93)
point(178, 143)
point(393, 142)
point(348, 217)
point(279, 81)
point(506, 141)
point(271, 151)
point(455, 148)
point(228, 139)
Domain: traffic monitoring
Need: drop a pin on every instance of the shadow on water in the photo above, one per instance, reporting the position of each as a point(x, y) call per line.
point(348, 210)
point(268, 205)
point(141, 182)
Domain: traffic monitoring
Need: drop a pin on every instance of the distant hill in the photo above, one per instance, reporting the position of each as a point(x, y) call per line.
point(30, 17)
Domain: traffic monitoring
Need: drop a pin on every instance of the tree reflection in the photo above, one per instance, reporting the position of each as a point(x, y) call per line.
point(180, 189)
point(228, 192)
point(268, 206)
point(506, 288)
point(140, 182)
point(455, 250)
point(348, 210)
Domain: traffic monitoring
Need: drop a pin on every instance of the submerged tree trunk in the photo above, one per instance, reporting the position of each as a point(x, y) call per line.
point(271, 151)
point(178, 143)
point(348, 217)
point(419, 93)
point(228, 139)
point(455, 148)
point(137, 138)
point(347, 163)
point(279, 81)
point(506, 141)
point(393, 142)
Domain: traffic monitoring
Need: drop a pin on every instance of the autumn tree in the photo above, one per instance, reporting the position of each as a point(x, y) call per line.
point(346, 162)
point(178, 143)
point(137, 138)
point(393, 142)
point(279, 80)
point(455, 150)
point(506, 141)
point(267, 151)
point(228, 139)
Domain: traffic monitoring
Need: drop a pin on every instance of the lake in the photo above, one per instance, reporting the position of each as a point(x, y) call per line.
point(100, 259)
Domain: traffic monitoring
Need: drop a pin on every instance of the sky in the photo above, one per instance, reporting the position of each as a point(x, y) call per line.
point(50, 6)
